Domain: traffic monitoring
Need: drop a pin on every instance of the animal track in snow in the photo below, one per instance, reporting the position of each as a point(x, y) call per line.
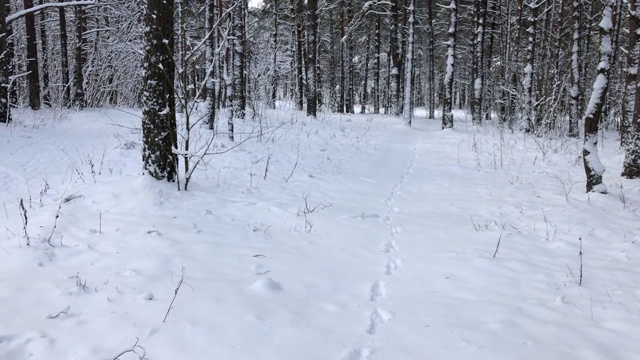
point(377, 318)
point(358, 354)
point(392, 266)
point(378, 290)
point(389, 246)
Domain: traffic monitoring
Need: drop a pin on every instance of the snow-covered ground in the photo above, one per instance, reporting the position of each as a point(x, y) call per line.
point(366, 240)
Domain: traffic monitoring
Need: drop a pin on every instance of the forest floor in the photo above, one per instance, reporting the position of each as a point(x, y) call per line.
point(346, 238)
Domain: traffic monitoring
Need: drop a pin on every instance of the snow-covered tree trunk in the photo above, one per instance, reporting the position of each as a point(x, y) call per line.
point(407, 113)
point(432, 72)
point(298, 7)
point(5, 109)
point(348, 39)
point(574, 112)
point(312, 49)
point(477, 68)
point(447, 100)
point(394, 62)
point(210, 62)
point(158, 100)
point(376, 73)
point(594, 169)
point(631, 114)
point(365, 81)
point(274, 75)
point(238, 101)
point(529, 68)
point(631, 77)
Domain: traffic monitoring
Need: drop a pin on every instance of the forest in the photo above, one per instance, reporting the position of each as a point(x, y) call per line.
point(319, 179)
point(546, 67)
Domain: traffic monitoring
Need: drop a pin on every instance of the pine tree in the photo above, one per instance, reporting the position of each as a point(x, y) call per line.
point(312, 47)
point(33, 69)
point(447, 101)
point(158, 101)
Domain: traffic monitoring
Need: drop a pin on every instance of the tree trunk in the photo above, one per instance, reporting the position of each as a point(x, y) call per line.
point(529, 69)
point(238, 110)
point(408, 73)
point(158, 113)
point(365, 95)
point(312, 50)
point(342, 99)
point(447, 101)
point(79, 100)
point(432, 72)
point(5, 109)
point(33, 76)
point(46, 97)
point(210, 59)
point(274, 79)
point(376, 74)
point(299, 36)
point(394, 62)
point(631, 115)
point(64, 57)
point(574, 113)
point(477, 66)
point(592, 166)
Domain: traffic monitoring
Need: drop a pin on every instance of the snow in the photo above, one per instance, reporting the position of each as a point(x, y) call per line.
point(380, 245)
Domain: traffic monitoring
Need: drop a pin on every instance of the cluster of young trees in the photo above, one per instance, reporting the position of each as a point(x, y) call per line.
point(539, 66)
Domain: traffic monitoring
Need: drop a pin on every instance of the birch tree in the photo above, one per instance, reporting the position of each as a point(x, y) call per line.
point(592, 166)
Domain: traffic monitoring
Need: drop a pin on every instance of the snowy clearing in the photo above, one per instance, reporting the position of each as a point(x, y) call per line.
point(367, 240)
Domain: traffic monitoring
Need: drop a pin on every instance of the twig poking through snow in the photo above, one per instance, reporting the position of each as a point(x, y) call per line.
point(580, 255)
point(134, 349)
point(498, 244)
point(175, 294)
point(294, 166)
point(64, 311)
point(55, 221)
point(25, 220)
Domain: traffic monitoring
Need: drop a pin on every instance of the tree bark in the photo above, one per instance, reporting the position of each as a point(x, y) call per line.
point(158, 109)
point(46, 95)
point(447, 101)
point(79, 99)
point(631, 114)
point(312, 50)
point(407, 112)
point(574, 112)
point(33, 69)
point(593, 168)
point(5, 109)
point(64, 56)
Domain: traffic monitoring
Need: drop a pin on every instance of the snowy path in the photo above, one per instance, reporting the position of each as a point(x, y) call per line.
point(394, 259)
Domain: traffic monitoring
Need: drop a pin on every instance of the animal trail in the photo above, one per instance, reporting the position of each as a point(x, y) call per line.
point(392, 266)
point(378, 290)
point(358, 354)
point(389, 246)
point(378, 318)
